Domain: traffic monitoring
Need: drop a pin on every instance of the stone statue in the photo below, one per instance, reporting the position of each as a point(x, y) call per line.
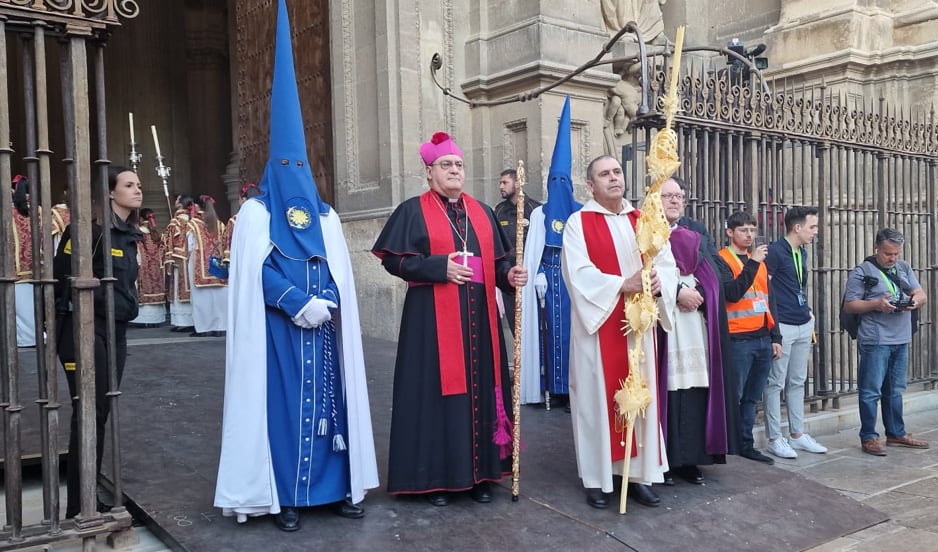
point(647, 13)
point(623, 99)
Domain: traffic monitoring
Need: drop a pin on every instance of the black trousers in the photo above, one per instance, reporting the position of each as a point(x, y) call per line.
point(67, 354)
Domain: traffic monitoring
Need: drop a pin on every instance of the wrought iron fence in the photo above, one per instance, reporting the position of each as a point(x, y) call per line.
point(86, 11)
point(865, 164)
point(73, 30)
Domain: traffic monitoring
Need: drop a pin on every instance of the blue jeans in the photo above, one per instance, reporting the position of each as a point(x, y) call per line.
point(882, 377)
point(753, 358)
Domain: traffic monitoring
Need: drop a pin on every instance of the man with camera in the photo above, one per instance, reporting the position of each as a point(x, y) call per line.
point(884, 291)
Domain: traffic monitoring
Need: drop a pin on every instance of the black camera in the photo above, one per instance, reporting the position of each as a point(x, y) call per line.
point(869, 282)
point(902, 304)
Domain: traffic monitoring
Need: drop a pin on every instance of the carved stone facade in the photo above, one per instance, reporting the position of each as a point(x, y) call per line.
point(196, 69)
point(883, 49)
point(389, 105)
point(380, 102)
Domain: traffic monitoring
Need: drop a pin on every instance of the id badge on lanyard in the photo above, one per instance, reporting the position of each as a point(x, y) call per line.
point(760, 306)
point(800, 276)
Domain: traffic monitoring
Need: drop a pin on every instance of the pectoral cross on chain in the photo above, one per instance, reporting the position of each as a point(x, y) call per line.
point(465, 255)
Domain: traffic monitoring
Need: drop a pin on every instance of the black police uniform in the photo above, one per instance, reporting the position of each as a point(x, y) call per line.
point(124, 238)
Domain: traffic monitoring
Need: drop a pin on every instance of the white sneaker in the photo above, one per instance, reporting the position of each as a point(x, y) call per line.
point(779, 447)
point(806, 442)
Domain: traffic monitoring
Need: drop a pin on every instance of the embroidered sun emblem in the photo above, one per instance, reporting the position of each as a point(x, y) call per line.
point(298, 217)
point(557, 225)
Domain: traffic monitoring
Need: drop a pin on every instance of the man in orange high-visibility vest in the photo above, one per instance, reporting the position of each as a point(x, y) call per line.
point(755, 336)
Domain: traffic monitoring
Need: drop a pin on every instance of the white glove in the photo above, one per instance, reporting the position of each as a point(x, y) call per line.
point(540, 285)
point(301, 322)
point(316, 312)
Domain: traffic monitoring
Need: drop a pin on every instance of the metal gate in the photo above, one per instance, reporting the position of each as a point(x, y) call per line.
point(865, 164)
point(74, 32)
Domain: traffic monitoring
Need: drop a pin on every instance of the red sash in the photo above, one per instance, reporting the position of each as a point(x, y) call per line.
point(449, 330)
point(613, 345)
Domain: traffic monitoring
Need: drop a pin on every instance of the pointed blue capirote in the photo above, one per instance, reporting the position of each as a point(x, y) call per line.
point(287, 138)
point(288, 189)
point(560, 202)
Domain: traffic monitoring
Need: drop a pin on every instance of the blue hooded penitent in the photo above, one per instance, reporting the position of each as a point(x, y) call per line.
point(560, 202)
point(288, 189)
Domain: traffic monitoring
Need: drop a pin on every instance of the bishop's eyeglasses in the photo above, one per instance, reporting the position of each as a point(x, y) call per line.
point(447, 165)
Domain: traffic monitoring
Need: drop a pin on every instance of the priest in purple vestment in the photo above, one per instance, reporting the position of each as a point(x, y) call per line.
point(696, 386)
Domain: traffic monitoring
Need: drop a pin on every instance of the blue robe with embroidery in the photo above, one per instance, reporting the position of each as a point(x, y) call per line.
point(305, 401)
point(555, 355)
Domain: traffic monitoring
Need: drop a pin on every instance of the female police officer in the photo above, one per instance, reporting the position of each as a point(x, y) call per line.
point(125, 197)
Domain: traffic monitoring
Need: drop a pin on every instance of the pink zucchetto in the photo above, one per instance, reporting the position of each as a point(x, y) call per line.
point(441, 144)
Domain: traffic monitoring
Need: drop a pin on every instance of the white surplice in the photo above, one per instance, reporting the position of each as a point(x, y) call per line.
point(25, 315)
point(209, 303)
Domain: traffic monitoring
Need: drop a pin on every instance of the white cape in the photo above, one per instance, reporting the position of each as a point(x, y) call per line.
point(531, 392)
point(245, 482)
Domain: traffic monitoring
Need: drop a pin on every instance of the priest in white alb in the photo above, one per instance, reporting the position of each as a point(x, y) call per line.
point(602, 266)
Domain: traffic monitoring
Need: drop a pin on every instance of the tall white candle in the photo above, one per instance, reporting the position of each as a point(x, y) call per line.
point(131, 117)
point(156, 141)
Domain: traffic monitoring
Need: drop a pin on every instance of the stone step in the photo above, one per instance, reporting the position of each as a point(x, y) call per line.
point(917, 398)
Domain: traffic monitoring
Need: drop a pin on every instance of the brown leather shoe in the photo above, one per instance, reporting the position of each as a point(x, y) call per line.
point(874, 447)
point(906, 441)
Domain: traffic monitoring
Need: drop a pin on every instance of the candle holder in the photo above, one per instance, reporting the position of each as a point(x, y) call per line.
point(163, 171)
point(135, 156)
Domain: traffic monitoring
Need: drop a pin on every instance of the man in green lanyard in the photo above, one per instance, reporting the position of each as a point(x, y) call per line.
point(787, 264)
point(884, 291)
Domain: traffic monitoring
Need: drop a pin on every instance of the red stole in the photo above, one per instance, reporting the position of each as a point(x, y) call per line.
point(151, 284)
point(449, 330)
point(176, 253)
point(206, 245)
point(22, 246)
point(613, 345)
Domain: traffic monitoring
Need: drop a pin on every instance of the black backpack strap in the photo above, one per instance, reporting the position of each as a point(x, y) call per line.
point(867, 269)
point(904, 267)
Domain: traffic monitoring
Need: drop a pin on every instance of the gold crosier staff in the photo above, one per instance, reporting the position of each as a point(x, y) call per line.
point(652, 233)
point(516, 376)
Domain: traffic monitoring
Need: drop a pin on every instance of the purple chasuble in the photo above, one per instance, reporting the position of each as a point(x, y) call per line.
point(685, 246)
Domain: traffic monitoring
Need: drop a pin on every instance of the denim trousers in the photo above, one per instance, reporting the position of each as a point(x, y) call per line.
point(881, 377)
point(753, 359)
point(788, 373)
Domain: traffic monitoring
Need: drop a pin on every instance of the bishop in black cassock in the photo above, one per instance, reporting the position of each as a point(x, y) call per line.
point(450, 424)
